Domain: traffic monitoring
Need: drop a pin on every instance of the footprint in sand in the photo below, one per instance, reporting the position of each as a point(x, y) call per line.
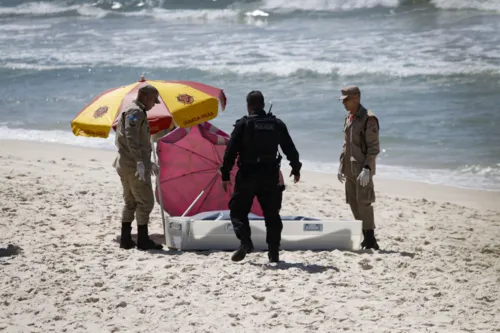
point(365, 264)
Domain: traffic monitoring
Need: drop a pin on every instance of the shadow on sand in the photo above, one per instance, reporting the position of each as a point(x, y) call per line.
point(10, 251)
point(160, 239)
point(401, 253)
point(308, 268)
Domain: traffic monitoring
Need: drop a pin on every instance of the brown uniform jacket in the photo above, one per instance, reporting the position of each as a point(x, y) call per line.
point(132, 137)
point(361, 143)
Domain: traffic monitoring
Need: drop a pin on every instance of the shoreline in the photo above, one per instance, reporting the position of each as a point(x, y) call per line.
point(412, 189)
point(422, 182)
point(390, 172)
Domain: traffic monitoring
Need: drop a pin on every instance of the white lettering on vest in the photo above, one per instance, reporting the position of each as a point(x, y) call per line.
point(264, 126)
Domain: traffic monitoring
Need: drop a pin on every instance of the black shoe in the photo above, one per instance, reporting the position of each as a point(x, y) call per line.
point(369, 242)
point(273, 255)
point(143, 240)
point(250, 247)
point(126, 241)
point(242, 251)
point(363, 243)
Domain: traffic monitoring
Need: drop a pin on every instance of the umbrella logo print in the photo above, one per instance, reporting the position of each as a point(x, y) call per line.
point(101, 111)
point(185, 99)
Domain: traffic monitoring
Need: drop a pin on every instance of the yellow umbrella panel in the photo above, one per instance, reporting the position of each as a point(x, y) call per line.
point(186, 103)
point(95, 119)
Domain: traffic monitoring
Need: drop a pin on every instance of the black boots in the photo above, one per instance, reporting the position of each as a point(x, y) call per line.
point(273, 254)
point(243, 250)
point(126, 241)
point(363, 243)
point(143, 240)
point(369, 241)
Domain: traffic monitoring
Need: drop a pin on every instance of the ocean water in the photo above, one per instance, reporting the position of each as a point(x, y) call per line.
point(429, 69)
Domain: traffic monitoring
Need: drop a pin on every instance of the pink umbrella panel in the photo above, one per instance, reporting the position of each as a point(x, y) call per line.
point(190, 159)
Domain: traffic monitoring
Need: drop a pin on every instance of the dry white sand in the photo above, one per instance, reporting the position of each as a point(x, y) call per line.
point(439, 270)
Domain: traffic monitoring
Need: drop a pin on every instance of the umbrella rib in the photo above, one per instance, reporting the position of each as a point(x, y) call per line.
point(203, 157)
point(215, 163)
point(219, 159)
point(187, 174)
point(207, 191)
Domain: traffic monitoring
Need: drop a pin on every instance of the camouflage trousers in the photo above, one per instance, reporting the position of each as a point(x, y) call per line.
point(137, 195)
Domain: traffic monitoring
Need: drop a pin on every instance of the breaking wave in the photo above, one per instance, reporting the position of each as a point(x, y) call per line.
point(222, 9)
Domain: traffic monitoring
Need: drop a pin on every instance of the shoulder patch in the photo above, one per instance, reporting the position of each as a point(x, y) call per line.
point(372, 123)
point(372, 119)
point(133, 116)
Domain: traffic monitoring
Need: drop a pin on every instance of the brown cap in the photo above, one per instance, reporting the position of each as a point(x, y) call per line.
point(149, 89)
point(349, 91)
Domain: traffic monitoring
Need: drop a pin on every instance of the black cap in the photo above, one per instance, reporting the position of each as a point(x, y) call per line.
point(255, 99)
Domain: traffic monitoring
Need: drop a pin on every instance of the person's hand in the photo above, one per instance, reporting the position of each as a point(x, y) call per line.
point(141, 171)
point(226, 185)
point(364, 177)
point(296, 177)
point(341, 177)
point(155, 169)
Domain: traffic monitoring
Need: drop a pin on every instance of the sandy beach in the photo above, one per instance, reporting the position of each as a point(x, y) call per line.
point(438, 269)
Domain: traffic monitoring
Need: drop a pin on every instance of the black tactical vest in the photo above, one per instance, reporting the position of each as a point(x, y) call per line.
point(260, 140)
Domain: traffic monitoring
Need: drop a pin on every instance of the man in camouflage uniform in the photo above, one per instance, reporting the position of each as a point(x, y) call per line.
point(133, 165)
point(357, 161)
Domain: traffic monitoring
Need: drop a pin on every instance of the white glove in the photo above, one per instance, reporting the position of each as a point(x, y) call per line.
point(364, 177)
point(340, 177)
point(141, 171)
point(155, 169)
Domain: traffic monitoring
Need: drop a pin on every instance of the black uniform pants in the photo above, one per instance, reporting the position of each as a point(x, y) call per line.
point(269, 195)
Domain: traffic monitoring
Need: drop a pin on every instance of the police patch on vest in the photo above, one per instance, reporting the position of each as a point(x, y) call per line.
point(261, 140)
point(264, 126)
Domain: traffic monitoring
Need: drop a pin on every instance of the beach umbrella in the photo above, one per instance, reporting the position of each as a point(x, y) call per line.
point(190, 181)
point(183, 104)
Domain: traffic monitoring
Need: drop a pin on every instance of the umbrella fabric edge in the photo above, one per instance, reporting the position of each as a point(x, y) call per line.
point(207, 89)
point(88, 130)
point(74, 125)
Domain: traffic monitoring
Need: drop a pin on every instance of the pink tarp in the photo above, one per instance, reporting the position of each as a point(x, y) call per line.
point(189, 160)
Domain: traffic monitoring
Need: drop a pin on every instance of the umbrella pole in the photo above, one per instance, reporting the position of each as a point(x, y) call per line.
point(159, 190)
point(199, 195)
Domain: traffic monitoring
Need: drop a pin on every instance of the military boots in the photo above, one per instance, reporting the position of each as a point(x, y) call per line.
point(369, 241)
point(245, 248)
point(143, 240)
point(126, 241)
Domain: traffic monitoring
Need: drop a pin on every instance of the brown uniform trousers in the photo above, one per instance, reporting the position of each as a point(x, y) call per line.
point(133, 143)
point(360, 149)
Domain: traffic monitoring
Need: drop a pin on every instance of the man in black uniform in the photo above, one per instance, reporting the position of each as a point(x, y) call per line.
point(255, 138)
